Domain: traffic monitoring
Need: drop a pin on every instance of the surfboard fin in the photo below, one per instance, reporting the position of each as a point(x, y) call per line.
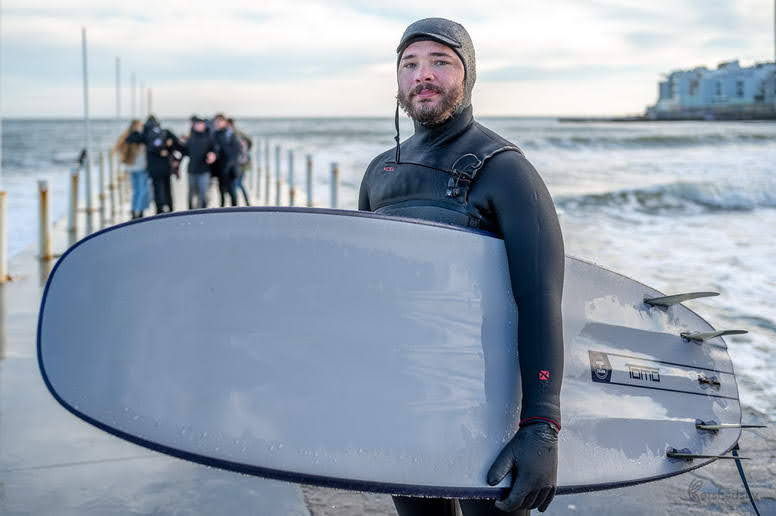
point(666, 301)
point(713, 426)
point(704, 336)
point(686, 454)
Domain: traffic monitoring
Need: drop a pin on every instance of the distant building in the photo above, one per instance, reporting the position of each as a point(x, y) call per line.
point(729, 92)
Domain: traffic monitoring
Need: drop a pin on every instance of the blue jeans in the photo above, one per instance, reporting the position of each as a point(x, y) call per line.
point(140, 198)
point(238, 186)
point(198, 185)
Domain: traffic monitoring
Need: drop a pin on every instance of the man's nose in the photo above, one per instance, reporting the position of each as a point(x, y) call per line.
point(424, 73)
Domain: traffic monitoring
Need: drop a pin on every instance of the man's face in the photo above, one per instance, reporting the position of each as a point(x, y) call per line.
point(220, 123)
point(430, 78)
point(200, 126)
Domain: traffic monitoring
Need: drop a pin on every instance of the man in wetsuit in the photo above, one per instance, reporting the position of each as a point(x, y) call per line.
point(454, 170)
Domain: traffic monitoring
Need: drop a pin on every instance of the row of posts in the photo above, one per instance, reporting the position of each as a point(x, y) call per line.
point(111, 200)
point(291, 178)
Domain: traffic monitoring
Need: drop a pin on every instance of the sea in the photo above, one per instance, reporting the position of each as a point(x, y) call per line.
point(680, 206)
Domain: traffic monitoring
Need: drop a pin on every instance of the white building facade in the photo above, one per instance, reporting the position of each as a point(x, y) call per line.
point(730, 91)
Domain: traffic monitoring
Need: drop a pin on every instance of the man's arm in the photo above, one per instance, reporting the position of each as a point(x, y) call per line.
point(363, 191)
point(173, 143)
point(526, 215)
point(135, 137)
point(534, 245)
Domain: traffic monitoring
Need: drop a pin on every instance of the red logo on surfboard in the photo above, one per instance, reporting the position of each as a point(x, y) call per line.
point(544, 375)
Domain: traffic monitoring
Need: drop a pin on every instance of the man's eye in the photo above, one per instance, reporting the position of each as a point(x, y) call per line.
point(409, 65)
point(440, 62)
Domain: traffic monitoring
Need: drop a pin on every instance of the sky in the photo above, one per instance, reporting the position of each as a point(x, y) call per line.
point(337, 58)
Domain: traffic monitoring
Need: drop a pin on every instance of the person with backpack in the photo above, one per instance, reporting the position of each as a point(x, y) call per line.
point(227, 157)
point(243, 159)
point(161, 147)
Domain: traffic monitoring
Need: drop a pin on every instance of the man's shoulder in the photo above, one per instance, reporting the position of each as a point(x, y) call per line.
point(381, 158)
point(509, 167)
point(494, 137)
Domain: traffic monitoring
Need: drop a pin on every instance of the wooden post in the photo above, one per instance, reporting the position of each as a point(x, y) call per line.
point(309, 174)
point(277, 175)
point(72, 212)
point(87, 135)
point(266, 168)
point(43, 220)
point(126, 187)
point(101, 186)
point(334, 185)
point(112, 185)
point(256, 169)
point(133, 95)
point(118, 90)
point(3, 239)
point(291, 189)
point(119, 180)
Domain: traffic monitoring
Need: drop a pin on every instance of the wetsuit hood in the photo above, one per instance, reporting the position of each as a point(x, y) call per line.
point(448, 33)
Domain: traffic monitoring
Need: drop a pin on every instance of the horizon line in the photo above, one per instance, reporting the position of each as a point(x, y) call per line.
point(123, 118)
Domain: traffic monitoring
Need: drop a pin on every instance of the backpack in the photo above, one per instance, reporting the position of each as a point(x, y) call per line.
point(244, 158)
point(155, 141)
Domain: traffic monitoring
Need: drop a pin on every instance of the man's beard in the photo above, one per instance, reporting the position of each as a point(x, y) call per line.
point(427, 114)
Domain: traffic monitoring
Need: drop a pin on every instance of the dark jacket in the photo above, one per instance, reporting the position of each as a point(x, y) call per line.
point(196, 148)
point(160, 145)
point(228, 152)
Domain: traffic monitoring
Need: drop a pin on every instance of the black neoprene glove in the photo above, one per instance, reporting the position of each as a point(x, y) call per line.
point(532, 457)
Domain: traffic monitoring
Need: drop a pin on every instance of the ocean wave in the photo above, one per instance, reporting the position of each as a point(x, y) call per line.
point(679, 197)
point(647, 140)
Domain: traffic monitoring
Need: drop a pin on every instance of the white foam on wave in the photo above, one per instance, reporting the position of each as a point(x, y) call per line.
point(735, 194)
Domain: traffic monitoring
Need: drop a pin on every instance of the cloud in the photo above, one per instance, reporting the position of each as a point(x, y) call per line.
point(336, 57)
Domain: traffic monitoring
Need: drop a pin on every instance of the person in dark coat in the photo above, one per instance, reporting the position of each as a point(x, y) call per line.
point(201, 150)
point(243, 161)
point(227, 158)
point(161, 146)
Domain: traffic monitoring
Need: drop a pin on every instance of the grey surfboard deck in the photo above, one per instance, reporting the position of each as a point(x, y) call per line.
point(365, 352)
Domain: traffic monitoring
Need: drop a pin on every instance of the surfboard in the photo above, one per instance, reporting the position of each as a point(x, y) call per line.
point(367, 352)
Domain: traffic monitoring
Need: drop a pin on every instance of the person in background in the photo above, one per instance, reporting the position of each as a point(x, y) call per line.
point(161, 146)
point(227, 157)
point(243, 160)
point(201, 150)
point(132, 155)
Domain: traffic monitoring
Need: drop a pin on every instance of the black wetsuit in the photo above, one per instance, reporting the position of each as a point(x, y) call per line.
point(463, 174)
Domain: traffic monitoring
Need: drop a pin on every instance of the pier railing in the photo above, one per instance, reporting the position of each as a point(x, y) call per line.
point(109, 205)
